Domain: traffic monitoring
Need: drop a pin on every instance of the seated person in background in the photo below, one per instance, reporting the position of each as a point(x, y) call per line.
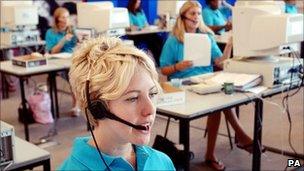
point(61, 37)
point(226, 9)
point(111, 79)
point(173, 65)
point(138, 21)
point(214, 19)
point(290, 6)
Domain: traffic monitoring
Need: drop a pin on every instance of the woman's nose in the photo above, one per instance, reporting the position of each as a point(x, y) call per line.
point(148, 107)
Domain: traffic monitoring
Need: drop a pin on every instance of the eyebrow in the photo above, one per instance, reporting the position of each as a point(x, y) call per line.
point(138, 91)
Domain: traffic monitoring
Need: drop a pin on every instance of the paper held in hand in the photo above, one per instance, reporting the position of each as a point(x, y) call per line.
point(197, 48)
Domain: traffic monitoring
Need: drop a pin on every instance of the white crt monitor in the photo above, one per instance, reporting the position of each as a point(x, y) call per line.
point(264, 29)
point(101, 16)
point(14, 14)
point(169, 6)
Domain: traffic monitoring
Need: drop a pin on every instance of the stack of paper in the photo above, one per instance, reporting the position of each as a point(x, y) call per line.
point(241, 81)
point(63, 55)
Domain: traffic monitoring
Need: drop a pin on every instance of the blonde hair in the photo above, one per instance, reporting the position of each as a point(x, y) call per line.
point(179, 28)
point(58, 12)
point(109, 65)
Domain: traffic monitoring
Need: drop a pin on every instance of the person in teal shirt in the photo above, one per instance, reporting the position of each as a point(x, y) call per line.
point(113, 80)
point(173, 52)
point(86, 157)
point(226, 9)
point(173, 65)
point(152, 43)
point(290, 7)
point(214, 18)
point(138, 19)
point(61, 37)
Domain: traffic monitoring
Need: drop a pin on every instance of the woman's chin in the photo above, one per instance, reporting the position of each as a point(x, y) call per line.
point(142, 140)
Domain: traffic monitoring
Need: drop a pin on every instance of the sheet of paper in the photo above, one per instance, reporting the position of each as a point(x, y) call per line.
point(257, 90)
point(63, 55)
point(197, 48)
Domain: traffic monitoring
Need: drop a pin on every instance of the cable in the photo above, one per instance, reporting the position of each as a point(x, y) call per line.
point(285, 99)
point(90, 128)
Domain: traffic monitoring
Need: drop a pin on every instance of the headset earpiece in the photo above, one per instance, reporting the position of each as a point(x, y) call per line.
point(97, 109)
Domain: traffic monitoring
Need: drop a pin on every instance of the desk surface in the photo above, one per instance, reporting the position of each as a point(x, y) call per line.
point(198, 105)
point(27, 153)
point(223, 38)
point(39, 43)
point(53, 65)
point(146, 31)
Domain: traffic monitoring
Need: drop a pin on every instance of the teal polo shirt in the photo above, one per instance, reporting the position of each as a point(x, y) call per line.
point(139, 19)
point(291, 9)
point(173, 52)
point(52, 38)
point(214, 18)
point(86, 157)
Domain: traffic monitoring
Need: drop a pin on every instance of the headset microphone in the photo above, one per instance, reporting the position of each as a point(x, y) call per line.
point(186, 18)
point(98, 110)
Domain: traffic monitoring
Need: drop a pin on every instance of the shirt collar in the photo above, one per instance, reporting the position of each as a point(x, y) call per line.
point(88, 155)
point(141, 157)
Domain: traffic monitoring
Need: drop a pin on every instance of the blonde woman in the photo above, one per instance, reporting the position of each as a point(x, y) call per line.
point(115, 85)
point(60, 38)
point(174, 66)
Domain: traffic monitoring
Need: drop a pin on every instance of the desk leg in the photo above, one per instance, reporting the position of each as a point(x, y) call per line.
point(50, 80)
point(4, 86)
point(184, 138)
point(24, 110)
point(257, 138)
point(55, 94)
point(47, 165)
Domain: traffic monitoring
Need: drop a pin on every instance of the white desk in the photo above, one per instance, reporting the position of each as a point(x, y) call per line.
point(146, 31)
point(197, 106)
point(224, 38)
point(28, 155)
point(39, 43)
point(54, 66)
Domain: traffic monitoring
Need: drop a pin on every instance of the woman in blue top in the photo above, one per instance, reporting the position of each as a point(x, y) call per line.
point(61, 37)
point(138, 21)
point(174, 66)
point(290, 7)
point(113, 80)
point(214, 18)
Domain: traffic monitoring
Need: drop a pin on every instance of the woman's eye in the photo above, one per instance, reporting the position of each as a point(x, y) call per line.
point(132, 99)
point(153, 94)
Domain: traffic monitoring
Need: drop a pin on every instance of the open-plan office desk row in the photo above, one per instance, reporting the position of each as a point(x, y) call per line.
point(198, 106)
point(52, 68)
point(28, 156)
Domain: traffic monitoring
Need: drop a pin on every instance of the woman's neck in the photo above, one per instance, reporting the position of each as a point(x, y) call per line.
point(190, 30)
point(110, 145)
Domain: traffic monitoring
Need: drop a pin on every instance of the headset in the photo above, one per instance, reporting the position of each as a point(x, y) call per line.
point(186, 18)
point(99, 111)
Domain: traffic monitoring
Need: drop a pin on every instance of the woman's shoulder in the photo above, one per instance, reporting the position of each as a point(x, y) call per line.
point(172, 39)
point(155, 153)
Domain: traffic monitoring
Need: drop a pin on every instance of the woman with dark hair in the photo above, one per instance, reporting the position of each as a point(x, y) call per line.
point(138, 21)
point(214, 18)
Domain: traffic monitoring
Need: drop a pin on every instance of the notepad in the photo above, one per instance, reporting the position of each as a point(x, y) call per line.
point(241, 81)
point(63, 55)
point(197, 48)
